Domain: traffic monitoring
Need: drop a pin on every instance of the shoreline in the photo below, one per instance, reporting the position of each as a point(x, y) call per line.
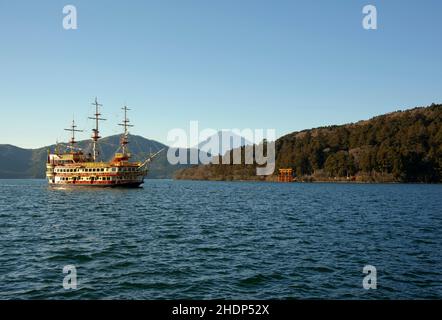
point(265, 181)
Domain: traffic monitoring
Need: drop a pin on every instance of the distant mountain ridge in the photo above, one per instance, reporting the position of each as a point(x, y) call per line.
point(19, 163)
point(222, 141)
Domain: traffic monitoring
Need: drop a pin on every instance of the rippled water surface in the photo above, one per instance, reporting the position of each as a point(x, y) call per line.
point(207, 240)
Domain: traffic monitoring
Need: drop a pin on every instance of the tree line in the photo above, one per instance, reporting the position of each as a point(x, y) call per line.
point(403, 146)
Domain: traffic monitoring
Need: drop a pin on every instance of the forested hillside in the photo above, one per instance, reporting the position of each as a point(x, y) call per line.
point(403, 146)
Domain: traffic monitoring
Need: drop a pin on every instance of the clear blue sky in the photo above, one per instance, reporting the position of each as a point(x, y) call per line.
point(288, 65)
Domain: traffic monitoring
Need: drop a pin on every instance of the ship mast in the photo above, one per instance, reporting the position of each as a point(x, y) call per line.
point(73, 130)
point(96, 132)
point(124, 138)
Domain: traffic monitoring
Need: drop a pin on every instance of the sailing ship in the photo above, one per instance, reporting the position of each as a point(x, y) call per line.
point(75, 168)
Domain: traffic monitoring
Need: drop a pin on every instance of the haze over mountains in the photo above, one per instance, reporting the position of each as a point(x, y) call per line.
point(20, 163)
point(17, 163)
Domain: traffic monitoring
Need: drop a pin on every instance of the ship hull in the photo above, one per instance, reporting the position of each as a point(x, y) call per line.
point(98, 185)
point(96, 174)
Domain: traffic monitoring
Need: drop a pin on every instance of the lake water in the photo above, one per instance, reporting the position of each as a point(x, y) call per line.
point(233, 240)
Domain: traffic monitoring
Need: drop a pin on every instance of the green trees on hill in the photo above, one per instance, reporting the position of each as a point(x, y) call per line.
point(404, 146)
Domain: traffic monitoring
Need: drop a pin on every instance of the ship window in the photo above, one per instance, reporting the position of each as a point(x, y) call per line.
point(114, 169)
